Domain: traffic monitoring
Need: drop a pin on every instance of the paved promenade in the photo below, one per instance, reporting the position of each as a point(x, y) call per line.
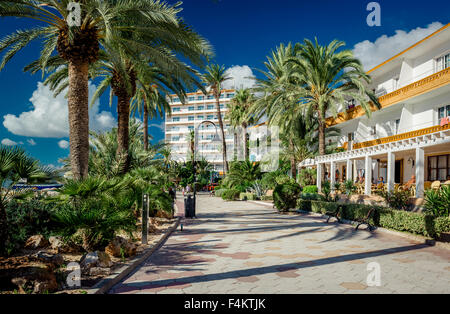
point(242, 247)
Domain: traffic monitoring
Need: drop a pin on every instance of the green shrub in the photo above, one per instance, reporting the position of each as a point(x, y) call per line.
point(304, 205)
point(230, 195)
point(349, 187)
point(396, 199)
point(437, 202)
point(285, 196)
point(399, 220)
point(217, 188)
point(25, 219)
point(311, 196)
point(307, 177)
point(441, 225)
point(219, 192)
point(267, 198)
point(247, 197)
point(283, 179)
point(323, 207)
point(310, 189)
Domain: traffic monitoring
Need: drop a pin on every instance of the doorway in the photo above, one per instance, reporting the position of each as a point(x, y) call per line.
point(399, 171)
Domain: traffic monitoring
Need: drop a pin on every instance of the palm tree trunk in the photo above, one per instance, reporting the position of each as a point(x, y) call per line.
point(322, 143)
point(293, 160)
point(78, 103)
point(244, 130)
point(123, 117)
point(224, 143)
point(145, 125)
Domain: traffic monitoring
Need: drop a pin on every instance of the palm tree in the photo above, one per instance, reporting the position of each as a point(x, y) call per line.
point(238, 114)
point(78, 47)
point(215, 75)
point(325, 78)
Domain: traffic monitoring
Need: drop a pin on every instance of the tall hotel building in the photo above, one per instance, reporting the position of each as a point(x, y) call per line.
point(186, 117)
point(408, 139)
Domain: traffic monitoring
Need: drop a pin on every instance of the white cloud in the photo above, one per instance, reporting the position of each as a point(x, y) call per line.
point(49, 116)
point(63, 144)
point(241, 77)
point(31, 142)
point(157, 126)
point(372, 54)
point(8, 142)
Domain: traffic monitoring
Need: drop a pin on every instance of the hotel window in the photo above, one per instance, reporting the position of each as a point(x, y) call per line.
point(190, 127)
point(222, 96)
point(438, 167)
point(200, 97)
point(176, 99)
point(192, 108)
point(191, 98)
point(222, 106)
point(176, 119)
point(230, 95)
point(210, 107)
point(210, 117)
point(191, 118)
point(442, 62)
point(175, 138)
point(210, 97)
point(200, 117)
point(177, 109)
point(351, 136)
point(201, 108)
point(443, 112)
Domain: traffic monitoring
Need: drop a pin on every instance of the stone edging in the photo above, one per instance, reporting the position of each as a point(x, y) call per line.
point(107, 283)
point(420, 239)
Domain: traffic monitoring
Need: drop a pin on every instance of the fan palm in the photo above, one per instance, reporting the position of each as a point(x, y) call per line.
point(214, 77)
point(79, 46)
point(238, 114)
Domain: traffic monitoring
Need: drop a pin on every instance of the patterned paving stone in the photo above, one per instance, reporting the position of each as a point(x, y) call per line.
point(242, 247)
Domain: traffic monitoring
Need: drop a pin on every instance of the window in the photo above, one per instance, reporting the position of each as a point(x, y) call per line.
point(190, 127)
point(210, 97)
point(200, 117)
point(175, 129)
point(222, 106)
point(176, 109)
point(351, 104)
point(443, 112)
point(191, 108)
point(438, 167)
point(351, 136)
point(442, 62)
point(200, 97)
point(373, 130)
point(210, 107)
point(191, 118)
point(210, 117)
point(191, 98)
point(175, 138)
point(176, 119)
point(201, 108)
point(222, 96)
point(176, 99)
point(397, 126)
point(231, 95)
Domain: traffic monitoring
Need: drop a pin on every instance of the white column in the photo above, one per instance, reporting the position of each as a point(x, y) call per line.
point(349, 173)
point(368, 176)
point(332, 175)
point(390, 171)
point(319, 177)
point(420, 172)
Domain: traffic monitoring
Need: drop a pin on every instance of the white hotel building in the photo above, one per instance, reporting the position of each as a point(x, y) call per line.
point(186, 117)
point(410, 134)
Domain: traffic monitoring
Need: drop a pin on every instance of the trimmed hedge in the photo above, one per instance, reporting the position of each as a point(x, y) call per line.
point(303, 204)
point(310, 189)
point(247, 197)
point(416, 223)
point(230, 195)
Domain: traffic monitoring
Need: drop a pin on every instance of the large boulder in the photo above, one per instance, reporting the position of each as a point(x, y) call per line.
point(119, 247)
point(36, 242)
point(57, 244)
point(55, 259)
point(94, 259)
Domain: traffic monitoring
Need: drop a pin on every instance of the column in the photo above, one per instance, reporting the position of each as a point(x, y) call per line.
point(349, 173)
point(319, 177)
point(368, 176)
point(420, 172)
point(390, 171)
point(332, 175)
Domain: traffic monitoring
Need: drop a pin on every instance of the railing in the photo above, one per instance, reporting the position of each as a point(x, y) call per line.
point(402, 136)
point(422, 86)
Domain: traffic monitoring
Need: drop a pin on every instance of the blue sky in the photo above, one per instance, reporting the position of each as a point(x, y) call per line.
point(242, 32)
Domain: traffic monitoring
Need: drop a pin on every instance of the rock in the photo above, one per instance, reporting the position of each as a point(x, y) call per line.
point(55, 259)
point(100, 271)
point(88, 261)
point(45, 286)
point(36, 242)
point(103, 260)
point(57, 244)
point(120, 245)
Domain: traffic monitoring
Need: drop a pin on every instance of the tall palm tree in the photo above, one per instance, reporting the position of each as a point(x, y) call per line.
point(149, 105)
point(325, 78)
point(78, 47)
point(238, 114)
point(214, 77)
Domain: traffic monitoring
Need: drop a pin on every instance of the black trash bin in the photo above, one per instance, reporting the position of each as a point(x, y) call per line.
point(189, 207)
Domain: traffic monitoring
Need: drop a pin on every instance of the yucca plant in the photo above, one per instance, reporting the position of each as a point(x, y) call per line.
point(437, 202)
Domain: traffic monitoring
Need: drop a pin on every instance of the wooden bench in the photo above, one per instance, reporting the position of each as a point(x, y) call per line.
point(366, 220)
point(334, 214)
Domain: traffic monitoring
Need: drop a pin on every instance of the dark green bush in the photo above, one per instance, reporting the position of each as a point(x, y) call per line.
point(407, 221)
point(396, 199)
point(307, 177)
point(323, 207)
point(311, 196)
point(310, 189)
point(267, 198)
point(303, 204)
point(285, 196)
point(25, 219)
point(219, 192)
point(349, 187)
point(230, 195)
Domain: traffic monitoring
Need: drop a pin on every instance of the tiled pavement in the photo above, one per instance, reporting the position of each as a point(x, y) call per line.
point(241, 247)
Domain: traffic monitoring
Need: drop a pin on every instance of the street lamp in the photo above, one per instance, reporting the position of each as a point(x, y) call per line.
point(215, 139)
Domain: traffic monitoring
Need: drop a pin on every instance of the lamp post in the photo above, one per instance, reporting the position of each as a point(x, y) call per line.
point(216, 138)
